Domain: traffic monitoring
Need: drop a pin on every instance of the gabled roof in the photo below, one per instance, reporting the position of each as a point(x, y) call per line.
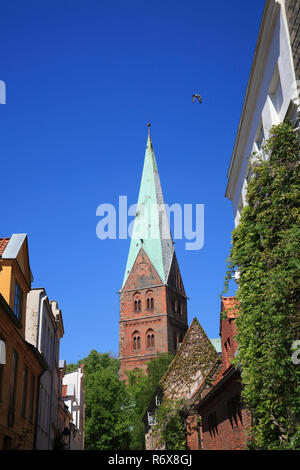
point(194, 359)
point(151, 228)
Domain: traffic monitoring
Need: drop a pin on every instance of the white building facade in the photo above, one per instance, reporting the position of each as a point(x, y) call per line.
point(73, 396)
point(44, 330)
point(272, 93)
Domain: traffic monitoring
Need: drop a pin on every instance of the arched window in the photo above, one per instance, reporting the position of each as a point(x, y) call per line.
point(150, 339)
point(137, 305)
point(136, 341)
point(150, 300)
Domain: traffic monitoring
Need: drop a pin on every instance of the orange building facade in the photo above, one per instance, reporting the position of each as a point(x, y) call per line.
point(21, 365)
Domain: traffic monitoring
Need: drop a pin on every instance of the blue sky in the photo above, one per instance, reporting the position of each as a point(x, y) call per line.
point(83, 78)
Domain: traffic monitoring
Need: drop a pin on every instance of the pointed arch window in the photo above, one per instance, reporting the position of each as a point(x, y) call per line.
point(149, 300)
point(136, 341)
point(150, 303)
point(150, 340)
point(137, 304)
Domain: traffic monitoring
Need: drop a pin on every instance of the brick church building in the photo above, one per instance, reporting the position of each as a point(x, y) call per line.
point(153, 302)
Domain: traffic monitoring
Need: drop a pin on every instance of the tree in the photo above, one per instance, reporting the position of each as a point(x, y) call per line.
point(115, 409)
point(169, 425)
point(265, 251)
point(141, 387)
point(107, 404)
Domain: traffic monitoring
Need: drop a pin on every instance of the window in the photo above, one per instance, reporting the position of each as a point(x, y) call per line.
point(18, 301)
point(150, 339)
point(227, 344)
point(275, 91)
point(260, 141)
point(260, 138)
point(2, 362)
point(136, 341)
point(31, 402)
point(213, 424)
point(150, 303)
point(24, 392)
point(234, 410)
point(12, 395)
point(137, 305)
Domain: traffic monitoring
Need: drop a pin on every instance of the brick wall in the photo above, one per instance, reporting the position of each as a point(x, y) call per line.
point(146, 308)
point(225, 421)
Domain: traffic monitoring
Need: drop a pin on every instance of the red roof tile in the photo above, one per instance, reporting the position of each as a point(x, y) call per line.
point(230, 304)
point(3, 244)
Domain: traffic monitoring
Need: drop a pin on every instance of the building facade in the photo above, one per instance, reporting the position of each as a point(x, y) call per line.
point(272, 93)
point(153, 302)
point(217, 418)
point(73, 397)
point(192, 362)
point(21, 364)
point(44, 330)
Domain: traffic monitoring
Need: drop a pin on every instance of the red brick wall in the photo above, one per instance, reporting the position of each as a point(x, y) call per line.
point(143, 282)
point(193, 433)
point(228, 341)
point(220, 430)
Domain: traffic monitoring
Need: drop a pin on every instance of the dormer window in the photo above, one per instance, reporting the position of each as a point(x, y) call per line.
point(18, 301)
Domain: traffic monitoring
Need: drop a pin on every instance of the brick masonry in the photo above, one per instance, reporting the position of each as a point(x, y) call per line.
point(164, 317)
point(218, 419)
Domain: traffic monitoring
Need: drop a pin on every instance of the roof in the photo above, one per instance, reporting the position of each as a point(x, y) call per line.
point(151, 229)
point(192, 362)
point(216, 342)
point(230, 305)
point(3, 244)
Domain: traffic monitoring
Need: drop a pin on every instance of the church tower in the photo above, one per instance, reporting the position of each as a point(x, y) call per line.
point(153, 302)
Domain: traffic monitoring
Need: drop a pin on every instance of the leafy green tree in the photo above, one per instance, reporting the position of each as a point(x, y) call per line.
point(265, 251)
point(170, 425)
point(107, 425)
point(141, 387)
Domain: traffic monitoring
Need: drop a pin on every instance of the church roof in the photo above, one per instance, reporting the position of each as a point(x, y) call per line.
point(191, 363)
point(151, 229)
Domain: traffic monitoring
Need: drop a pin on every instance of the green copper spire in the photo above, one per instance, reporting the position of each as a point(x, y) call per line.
point(151, 228)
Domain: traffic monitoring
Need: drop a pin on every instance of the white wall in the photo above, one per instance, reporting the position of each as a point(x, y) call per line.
point(271, 105)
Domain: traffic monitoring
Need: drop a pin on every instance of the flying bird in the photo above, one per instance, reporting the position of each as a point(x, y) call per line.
point(198, 98)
